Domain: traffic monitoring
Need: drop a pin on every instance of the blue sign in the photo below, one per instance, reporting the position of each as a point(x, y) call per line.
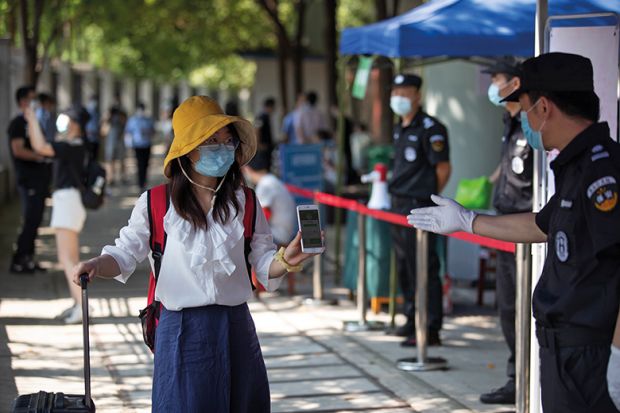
point(302, 166)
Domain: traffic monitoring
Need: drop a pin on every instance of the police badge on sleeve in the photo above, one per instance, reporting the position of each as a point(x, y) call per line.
point(603, 193)
point(438, 142)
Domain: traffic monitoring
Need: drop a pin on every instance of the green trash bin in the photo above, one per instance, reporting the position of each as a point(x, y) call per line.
point(378, 249)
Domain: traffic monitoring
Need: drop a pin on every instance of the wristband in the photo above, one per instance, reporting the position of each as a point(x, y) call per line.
point(288, 267)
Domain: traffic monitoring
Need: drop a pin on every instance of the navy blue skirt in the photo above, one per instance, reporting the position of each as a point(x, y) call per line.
point(208, 360)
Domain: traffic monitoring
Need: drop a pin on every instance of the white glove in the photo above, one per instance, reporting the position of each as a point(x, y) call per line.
point(613, 376)
point(449, 216)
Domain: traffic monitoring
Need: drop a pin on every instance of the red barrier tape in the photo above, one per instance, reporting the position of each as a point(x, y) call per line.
point(351, 205)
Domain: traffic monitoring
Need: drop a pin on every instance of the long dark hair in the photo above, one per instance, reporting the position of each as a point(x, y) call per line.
point(186, 204)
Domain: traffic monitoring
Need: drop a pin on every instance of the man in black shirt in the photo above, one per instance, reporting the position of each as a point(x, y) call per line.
point(513, 193)
point(33, 179)
point(576, 301)
point(421, 168)
point(263, 129)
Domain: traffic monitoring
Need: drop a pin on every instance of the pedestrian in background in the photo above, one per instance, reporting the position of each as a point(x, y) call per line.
point(310, 120)
point(264, 131)
point(68, 214)
point(207, 355)
point(46, 115)
point(32, 174)
point(141, 128)
point(513, 194)
point(115, 145)
point(291, 120)
point(421, 168)
point(93, 127)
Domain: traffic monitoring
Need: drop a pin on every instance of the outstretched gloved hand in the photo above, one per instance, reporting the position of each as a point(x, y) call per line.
point(447, 217)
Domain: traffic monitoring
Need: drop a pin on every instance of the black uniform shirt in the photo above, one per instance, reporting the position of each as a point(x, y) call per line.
point(514, 187)
point(418, 148)
point(580, 282)
point(30, 174)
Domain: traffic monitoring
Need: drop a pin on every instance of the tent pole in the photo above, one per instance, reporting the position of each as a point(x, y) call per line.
point(342, 106)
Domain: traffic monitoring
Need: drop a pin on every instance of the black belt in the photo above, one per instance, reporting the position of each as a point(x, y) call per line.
point(571, 337)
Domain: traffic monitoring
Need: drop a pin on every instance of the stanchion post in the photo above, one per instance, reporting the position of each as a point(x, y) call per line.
point(393, 281)
point(422, 362)
point(362, 292)
point(523, 323)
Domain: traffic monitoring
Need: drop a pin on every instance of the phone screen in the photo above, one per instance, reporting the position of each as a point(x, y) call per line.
point(310, 228)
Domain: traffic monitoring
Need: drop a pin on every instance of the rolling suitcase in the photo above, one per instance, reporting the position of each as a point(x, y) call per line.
point(44, 402)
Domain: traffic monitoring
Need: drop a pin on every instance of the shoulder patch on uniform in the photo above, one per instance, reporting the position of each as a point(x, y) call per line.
point(438, 142)
point(603, 193)
point(428, 123)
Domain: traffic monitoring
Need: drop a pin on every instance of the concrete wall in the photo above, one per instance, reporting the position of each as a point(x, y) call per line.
point(456, 93)
point(7, 183)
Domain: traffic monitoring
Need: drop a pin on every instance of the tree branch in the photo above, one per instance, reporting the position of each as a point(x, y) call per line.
point(271, 7)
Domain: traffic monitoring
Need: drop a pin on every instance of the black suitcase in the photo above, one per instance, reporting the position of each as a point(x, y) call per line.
point(44, 402)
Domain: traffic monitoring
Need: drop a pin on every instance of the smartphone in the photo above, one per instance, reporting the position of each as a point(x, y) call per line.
point(310, 227)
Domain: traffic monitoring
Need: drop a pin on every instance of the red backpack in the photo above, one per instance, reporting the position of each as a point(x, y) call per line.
point(158, 202)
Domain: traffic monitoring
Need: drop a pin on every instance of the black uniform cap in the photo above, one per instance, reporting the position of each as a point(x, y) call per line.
point(508, 65)
point(407, 80)
point(555, 72)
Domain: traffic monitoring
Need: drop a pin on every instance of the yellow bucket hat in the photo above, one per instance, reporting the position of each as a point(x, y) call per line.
point(199, 117)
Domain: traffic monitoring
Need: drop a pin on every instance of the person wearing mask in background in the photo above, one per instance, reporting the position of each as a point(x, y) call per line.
point(32, 174)
point(207, 356)
point(513, 194)
point(310, 120)
point(68, 214)
point(140, 129)
point(278, 204)
point(576, 301)
point(93, 127)
point(290, 120)
point(421, 168)
point(232, 108)
point(46, 115)
point(263, 129)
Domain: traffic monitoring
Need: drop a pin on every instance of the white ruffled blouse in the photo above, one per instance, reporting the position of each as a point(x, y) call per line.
point(198, 267)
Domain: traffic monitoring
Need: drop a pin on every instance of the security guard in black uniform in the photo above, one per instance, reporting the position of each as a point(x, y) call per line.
point(421, 168)
point(576, 301)
point(513, 194)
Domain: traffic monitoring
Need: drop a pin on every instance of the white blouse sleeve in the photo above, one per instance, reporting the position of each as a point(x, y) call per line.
point(263, 250)
point(132, 245)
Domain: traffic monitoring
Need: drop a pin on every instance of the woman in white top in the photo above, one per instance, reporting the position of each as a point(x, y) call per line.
point(207, 357)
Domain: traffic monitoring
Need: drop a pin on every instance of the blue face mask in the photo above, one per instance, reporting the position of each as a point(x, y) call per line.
point(400, 105)
point(215, 160)
point(534, 138)
point(494, 96)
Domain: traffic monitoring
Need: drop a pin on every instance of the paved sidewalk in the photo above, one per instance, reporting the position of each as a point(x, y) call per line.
point(312, 364)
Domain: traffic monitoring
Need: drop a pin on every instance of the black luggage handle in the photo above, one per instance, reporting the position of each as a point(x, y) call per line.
point(83, 283)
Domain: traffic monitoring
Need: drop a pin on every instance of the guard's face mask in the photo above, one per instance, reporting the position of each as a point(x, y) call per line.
point(534, 137)
point(400, 105)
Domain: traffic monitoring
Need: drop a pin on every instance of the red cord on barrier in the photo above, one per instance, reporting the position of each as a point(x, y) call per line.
point(351, 205)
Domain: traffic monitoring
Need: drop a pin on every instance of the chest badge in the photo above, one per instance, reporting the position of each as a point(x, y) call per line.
point(604, 193)
point(412, 138)
point(522, 142)
point(428, 123)
point(561, 246)
point(410, 154)
point(517, 165)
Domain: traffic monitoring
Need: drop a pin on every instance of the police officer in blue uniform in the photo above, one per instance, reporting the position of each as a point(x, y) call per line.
point(576, 301)
point(513, 194)
point(421, 168)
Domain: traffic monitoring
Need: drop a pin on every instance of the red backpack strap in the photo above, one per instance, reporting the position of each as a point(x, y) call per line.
point(158, 201)
point(249, 226)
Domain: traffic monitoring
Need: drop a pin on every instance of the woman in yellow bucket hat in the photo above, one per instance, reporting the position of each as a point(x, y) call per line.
point(207, 357)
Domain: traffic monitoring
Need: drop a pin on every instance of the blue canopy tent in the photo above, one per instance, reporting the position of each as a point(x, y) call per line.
point(462, 28)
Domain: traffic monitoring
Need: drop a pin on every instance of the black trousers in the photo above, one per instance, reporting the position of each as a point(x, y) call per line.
point(505, 288)
point(573, 379)
point(33, 206)
point(404, 244)
point(143, 155)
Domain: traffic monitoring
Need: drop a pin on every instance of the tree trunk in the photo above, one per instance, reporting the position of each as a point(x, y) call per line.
point(282, 74)
point(331, 52)
point(30, 39)
point(298, 52)
point(385, 86)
